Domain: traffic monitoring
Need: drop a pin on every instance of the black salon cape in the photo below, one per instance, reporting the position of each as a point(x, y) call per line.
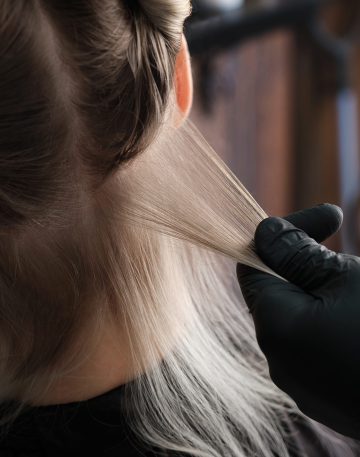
point(98, 427)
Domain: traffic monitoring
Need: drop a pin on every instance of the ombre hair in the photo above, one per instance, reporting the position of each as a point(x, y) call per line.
point(109, 213)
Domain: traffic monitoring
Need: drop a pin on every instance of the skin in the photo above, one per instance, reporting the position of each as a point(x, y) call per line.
point(109, 365)
point(183, 80)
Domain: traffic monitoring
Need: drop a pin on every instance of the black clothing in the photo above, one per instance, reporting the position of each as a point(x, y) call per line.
point(93, 427)
point(98, 427)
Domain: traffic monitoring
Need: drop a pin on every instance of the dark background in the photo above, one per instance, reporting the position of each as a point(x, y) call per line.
point(268, 107)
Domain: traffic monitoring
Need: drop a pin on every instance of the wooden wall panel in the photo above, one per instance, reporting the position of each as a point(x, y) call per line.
point(251, 122)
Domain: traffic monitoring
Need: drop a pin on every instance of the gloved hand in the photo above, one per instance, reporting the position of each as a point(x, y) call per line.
point(309, 328)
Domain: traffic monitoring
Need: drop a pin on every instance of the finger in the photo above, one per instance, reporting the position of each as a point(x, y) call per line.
point(319, 222)
point(261, 289)
point(276, 306)
point(249, 281)
point(293, 255)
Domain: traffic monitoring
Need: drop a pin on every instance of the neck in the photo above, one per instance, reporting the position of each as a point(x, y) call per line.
point(108, 367)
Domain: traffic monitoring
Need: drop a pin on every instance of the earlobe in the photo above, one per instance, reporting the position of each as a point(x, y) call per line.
point(183, 81)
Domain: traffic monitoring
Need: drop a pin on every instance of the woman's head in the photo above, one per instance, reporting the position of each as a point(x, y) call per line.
point(84, 87)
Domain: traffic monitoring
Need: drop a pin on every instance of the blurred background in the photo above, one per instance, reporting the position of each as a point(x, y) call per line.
point(277, 88)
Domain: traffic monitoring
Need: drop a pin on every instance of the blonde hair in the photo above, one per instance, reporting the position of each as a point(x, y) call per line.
point(92, 230)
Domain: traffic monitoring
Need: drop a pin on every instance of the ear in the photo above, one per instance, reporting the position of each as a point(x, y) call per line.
point(183, 81)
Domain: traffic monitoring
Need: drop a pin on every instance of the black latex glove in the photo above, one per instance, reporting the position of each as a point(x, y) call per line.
point(309, 328)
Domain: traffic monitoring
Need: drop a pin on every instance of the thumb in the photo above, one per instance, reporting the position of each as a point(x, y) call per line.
point(292, 254)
